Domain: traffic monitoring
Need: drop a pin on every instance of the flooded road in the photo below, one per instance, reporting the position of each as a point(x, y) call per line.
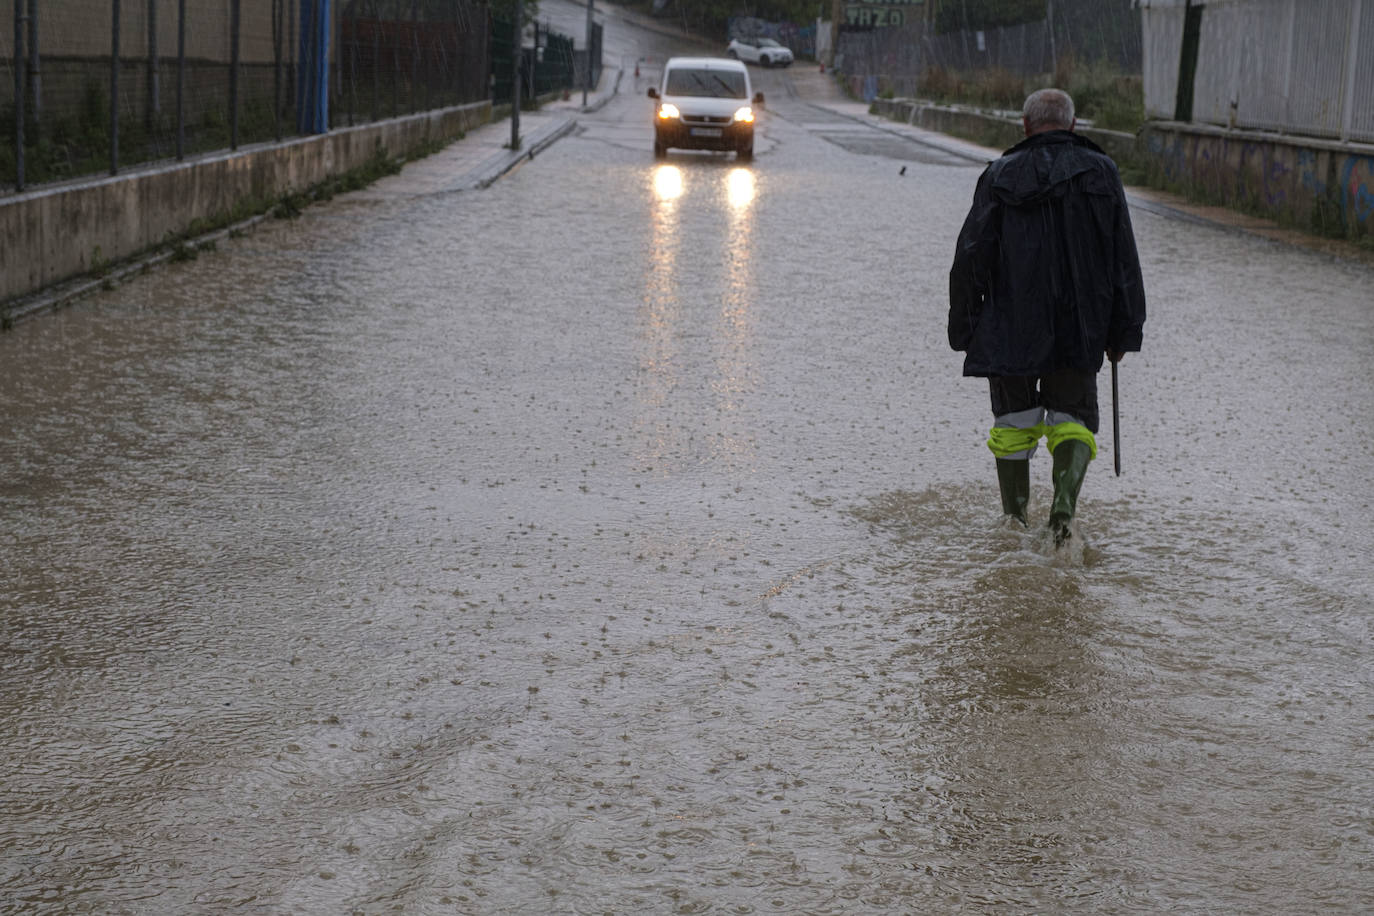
point(621, 539)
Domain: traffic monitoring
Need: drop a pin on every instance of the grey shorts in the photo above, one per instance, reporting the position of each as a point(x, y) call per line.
point(1064, 391)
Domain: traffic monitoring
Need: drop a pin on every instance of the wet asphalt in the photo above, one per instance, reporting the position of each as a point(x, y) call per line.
point(620, 538)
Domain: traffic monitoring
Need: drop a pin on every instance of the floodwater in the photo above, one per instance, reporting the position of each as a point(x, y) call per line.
point(621, 539)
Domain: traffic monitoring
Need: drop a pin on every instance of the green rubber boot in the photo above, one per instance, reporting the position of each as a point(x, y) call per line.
point(1013, 479)
point(1070, 465)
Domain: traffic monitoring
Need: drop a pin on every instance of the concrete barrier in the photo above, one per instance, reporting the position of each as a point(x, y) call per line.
point(1000, 131)
point(55, 234)
point(1322, 186)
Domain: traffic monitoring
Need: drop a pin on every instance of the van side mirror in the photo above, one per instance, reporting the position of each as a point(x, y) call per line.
point(758, 99)
point(653, 93)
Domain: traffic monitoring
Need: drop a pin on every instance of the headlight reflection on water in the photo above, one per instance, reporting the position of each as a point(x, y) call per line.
point(739, 188)
point(668, 182)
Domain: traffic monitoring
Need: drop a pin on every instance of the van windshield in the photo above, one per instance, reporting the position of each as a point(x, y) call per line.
point(716, 84)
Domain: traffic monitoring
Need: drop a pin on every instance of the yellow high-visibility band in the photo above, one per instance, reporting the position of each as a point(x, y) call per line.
point(1007, 440)
point(1063, 432)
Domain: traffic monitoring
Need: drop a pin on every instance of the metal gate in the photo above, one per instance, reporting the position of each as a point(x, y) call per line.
point(1298, 66)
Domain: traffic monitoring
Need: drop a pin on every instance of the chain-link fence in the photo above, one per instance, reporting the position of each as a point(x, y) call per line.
point(402, 56)
point(548, 61)
point(899, 58)
point(92, 86)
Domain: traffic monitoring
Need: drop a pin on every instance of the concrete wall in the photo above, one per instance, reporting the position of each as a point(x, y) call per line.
point(1325, 186)
point(56, 234)
point(991, 130)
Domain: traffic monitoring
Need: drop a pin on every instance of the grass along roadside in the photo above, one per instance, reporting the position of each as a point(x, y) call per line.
point(1103, 95)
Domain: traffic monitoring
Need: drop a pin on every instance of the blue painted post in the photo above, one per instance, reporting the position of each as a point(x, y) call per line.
point(312, 89)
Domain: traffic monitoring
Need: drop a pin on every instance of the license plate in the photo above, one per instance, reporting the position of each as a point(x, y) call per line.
point(705, 131)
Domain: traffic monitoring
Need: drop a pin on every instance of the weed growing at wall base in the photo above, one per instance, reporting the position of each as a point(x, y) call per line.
point(1324, 219)
point(1107, 98)
point(77, 144)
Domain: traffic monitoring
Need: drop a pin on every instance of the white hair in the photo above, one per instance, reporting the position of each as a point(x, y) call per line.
point(1048, 109)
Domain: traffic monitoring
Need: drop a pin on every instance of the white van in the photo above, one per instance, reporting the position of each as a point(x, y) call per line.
point(705, 103)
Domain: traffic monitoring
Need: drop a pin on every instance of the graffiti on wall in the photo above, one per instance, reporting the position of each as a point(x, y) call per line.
point(883, 14)
point(1304, 183)
point(1357, 189)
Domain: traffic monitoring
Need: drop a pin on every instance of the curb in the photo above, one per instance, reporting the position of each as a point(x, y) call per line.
point(484, 176)
point(56, 297)
point(491, 170)
point(601, 102)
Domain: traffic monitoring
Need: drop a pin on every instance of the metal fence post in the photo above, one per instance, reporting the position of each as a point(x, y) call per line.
point(154, 101)
point(376, 63)
point(114, 88)
point(1352, 71)
point(181, 80)
point(587, 80)
point(18, 97)
point(292, 55)
point(35, 79)
point(1054, 49)
point(352, 15)
point(234, 74)
point(276, 68)
point(515, 77)
point(313, 83)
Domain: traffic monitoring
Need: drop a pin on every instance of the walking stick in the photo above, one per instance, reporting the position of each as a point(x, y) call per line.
point(1116, 426)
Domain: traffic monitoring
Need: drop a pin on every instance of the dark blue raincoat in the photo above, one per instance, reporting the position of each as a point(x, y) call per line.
point(1045, 273)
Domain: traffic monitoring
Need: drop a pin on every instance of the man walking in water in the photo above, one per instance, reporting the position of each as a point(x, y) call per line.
point(1045, 282)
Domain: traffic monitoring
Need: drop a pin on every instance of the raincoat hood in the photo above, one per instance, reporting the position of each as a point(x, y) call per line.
point(1033, 170)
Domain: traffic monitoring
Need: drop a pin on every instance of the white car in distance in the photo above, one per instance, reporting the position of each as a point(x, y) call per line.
point(762, 51)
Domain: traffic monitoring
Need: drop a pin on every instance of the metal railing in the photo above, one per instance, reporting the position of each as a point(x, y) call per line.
point(547, 61)
point(92, 86)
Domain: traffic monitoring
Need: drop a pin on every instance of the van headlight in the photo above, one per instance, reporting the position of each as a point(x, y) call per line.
point(668, 110)
point(744, 115)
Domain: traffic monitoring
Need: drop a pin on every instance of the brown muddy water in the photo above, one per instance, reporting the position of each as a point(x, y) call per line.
point(621, 540)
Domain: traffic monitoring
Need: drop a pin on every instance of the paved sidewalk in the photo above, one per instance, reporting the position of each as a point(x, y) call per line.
point(484, 154)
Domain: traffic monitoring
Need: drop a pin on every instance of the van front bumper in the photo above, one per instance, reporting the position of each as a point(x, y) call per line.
point(687, 133)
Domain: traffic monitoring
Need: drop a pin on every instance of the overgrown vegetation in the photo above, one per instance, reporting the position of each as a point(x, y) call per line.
point(76, 143)
point(997, 89)
point(1110, 100)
